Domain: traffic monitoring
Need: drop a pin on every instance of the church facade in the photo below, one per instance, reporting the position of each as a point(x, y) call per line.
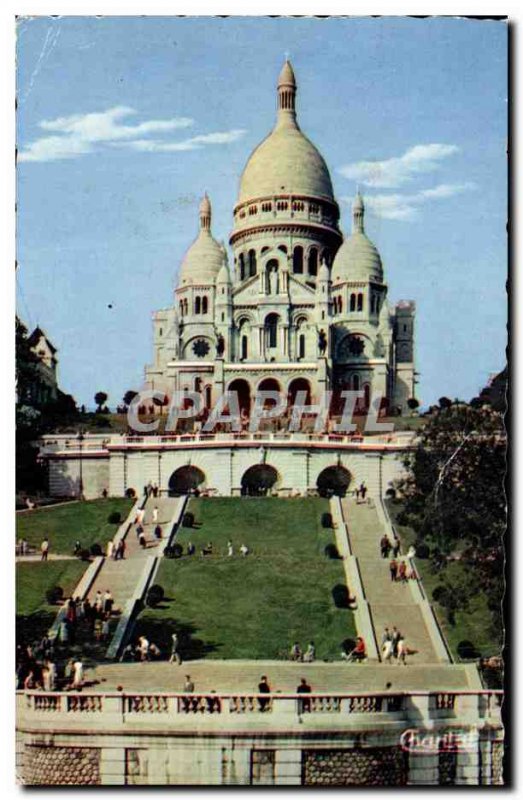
point(299, 306)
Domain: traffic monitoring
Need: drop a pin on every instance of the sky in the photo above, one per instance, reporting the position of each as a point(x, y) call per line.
point(124, 123)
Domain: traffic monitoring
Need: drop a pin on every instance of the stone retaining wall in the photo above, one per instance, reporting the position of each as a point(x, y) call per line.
point(61, 766)
point(377, 766)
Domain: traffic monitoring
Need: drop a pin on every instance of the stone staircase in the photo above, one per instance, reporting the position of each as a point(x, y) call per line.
point(121, 576)
point(391, 603)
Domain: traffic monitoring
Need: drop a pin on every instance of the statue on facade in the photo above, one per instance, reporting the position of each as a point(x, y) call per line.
point(322, 342)
point(220, 346)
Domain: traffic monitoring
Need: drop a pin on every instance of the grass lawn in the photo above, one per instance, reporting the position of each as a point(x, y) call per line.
point(33, 614)
point(471, 625)
point(253, 607)
point(85, 521)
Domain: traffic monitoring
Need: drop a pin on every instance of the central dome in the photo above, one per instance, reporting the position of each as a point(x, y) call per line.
point(286, 161)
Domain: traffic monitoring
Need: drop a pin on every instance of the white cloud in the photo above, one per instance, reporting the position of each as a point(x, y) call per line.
point(79, 134)
point(405, 207)
point(394, 172)
point(195, 142)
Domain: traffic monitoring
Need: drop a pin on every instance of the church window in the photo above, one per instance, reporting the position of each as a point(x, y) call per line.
point(252, 262)
point(197, 305)
point(366, 389)
point(200, 348)
point(297, 260)
point(197, 384)
point(205, 305)
point(282, 247)
point(356, 382)
point(265, 250)
point(245, 347)
point(208, 396)
point(404, 329)
point(160, 332)
point(242, 267)
point(360, 302)
point(323, 314)
point(301, 346)
point(223, 317)
point(271, 327)
point(313, 261)
point(353, 302)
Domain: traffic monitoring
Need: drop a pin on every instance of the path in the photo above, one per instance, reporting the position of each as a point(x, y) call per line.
point(391, 603)
point(121, 577)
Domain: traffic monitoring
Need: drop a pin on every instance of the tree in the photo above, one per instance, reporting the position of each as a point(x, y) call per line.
point(413, 403)
point(100, 398)
point(455, 498)
point(129, 397)
point(445, 402)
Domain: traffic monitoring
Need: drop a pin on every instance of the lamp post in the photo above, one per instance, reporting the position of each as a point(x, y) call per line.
point(81, 437)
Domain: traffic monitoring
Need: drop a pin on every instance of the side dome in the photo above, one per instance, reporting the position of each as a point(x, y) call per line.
point(204, 258)
point(286, 161)
point(357, 259)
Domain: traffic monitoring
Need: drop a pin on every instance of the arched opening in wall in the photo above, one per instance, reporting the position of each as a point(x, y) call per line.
point(366, 398)
point(258, 480)
point(271, 276)
point(297, 260)
point(197, 384)
point(360, 302)
point(299, 385)
point(313, 261)
point(241, 262)
point(244, 354)
point(301, 345)
point(197, 305)
point(283, 248)
point(205, 305)
point(185, 480)
point(243, 391)
point(333, 481)
point(252, 262)
point(353, 302)
point(271, 330)
point(208, 396)
point(269, 385)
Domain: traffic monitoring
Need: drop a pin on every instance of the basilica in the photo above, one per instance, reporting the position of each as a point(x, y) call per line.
point(300, 306)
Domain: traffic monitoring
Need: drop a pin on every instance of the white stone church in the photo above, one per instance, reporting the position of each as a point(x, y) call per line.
point(301, 307)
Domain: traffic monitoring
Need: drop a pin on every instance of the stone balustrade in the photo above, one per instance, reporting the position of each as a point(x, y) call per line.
point(129, 707)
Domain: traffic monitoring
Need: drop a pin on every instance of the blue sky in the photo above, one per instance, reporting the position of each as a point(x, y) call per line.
point(123, 123)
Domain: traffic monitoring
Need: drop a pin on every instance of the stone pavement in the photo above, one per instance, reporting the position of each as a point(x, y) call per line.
point(244, 676)
point(391, 603)
point(121, 576)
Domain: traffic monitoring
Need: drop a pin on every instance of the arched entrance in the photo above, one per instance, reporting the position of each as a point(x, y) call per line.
point(258, 480)
point(299, 385)
point(333, 481)
point(185, 480)
point(269, 385)
point(243, 390)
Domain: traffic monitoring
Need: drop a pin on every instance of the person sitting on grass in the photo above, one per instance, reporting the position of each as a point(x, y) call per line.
point(296, 654)
point(310, 653)
point(244, 550)
point(207, 551)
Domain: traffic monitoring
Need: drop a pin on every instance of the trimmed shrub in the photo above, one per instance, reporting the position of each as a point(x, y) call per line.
point(439, 594)
point(114, 518)
point(331, 551)
point(84, 555)
point(54, 595)
point(96, 549)
point(155, 595)
point(348, 645)
point(177, 550)
point(340, 595)
point(188, 520)
point(130, 492)
point(467, 650)
point(168, 552)
point(326, 520)
point(422, 550)
point(391, 493)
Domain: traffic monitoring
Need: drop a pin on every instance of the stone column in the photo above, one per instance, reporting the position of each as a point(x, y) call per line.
point(423, 769)
point(112, 766)
point(287, 768)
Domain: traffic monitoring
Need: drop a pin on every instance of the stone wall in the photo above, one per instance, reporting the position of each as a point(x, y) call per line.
point(377, 766)
point(61, 766)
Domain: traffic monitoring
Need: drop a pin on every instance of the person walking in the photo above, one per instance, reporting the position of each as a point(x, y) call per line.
point(158, 532)
point(387, 650)
point(396, 636)
point(109, 549)
point(108, 603)
point(402, 572)
point(363, 491)
point(44, 549)
point(401, 650)
point(175, 650)
point(393, 567)
point(78, 674)
point(142, 541)
point(396, 548)
point(263, 688)
point(304, 704)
